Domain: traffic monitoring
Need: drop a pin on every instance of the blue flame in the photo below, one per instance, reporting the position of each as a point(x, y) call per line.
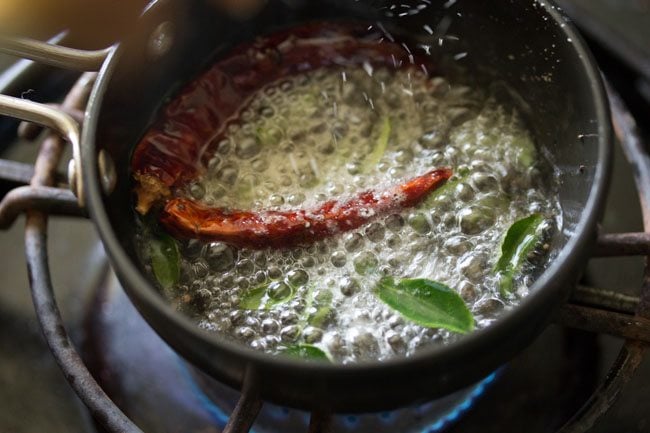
point(453, 415)
point(220, 417)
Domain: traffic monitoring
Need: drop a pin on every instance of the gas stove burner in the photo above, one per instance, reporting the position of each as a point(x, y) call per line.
point(433, 417)
point(139, 370)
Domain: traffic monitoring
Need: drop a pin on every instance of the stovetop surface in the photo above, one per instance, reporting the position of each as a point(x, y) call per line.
point(537, 392)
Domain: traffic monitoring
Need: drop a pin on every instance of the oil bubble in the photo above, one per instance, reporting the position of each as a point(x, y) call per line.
point(365, 263)
point(418, 222)
point(220, 256)
point(375, 232)
point(349, 286)
point(297, 277)
point(338, 259)
point(353, 242)
point(279, 291)
point(247, 148)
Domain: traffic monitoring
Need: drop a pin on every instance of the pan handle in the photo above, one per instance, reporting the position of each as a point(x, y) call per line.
point(52, 54)
point(57, 120)
point(58, 56)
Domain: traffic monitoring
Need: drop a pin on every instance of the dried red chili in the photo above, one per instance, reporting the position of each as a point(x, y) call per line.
point(187, 218)
point(177, 147)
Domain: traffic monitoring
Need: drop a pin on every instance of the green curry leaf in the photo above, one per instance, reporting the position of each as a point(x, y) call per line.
point(252, 299)
point(521, 238)
point(526, 152)
point(268, 134)
point(448, 188)
point(245, 189)
point(380, 147)
point(267, 295)
point(427, 303)
point(323, 305)
point(307, 352)
point(165, 260)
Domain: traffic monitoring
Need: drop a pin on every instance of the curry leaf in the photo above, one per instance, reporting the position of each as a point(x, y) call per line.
point(165, 260)
point(252, 299)
point(267, 295)
point(323, 305)
point(448, 187)
point(526, 152)
point(321, 316)
point(520, 240)
point(306, 351)
point(268, 135)
point(427, 303)
point(380, 146)
point(245, 189)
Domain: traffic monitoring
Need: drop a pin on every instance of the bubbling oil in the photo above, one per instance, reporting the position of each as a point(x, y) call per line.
point(332, 133)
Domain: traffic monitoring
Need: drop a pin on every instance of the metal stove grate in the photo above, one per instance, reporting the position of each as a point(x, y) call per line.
point(595, 310)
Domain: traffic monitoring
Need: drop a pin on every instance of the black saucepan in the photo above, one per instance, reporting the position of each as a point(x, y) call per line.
point(529, 45)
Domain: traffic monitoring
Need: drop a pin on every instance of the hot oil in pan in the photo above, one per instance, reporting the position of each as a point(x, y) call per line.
point(331, 133)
